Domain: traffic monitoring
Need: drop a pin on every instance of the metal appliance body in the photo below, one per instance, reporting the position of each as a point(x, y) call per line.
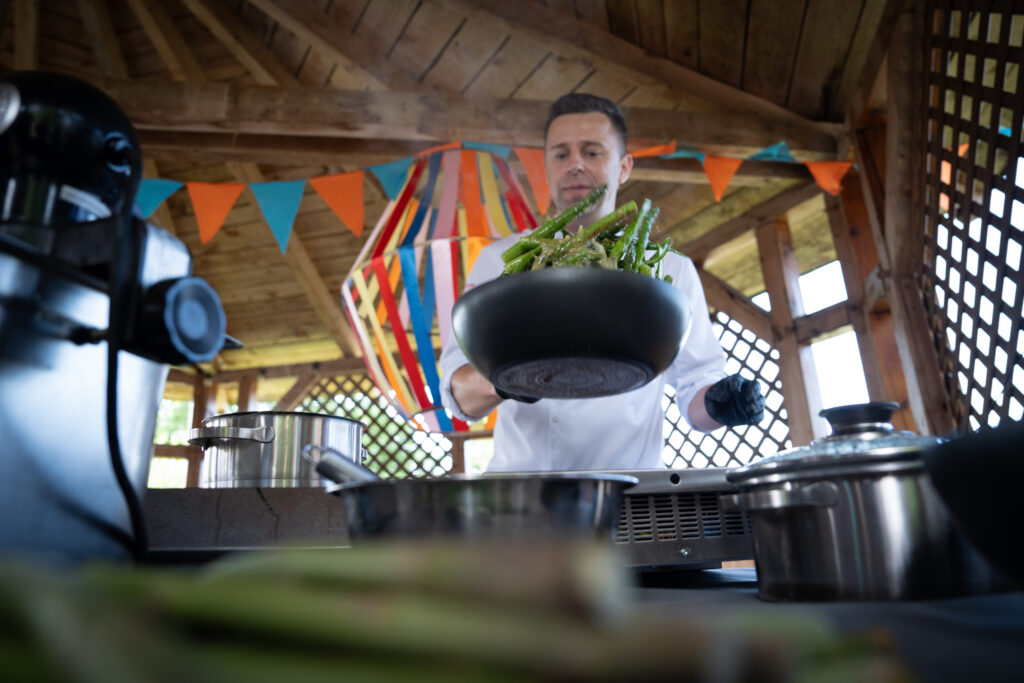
point(58, 492)
point(264, 449)
point(855, 516)
point(672, 520)
point(522, 506)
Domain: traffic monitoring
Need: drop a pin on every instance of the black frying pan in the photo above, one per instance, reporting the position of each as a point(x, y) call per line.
point(571, 332)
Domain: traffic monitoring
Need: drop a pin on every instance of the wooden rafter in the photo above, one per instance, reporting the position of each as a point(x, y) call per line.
point(765, 212)
point(99, 27)
point(416, 115)
point(173, 49)
point(26, 34)
point(736, 305)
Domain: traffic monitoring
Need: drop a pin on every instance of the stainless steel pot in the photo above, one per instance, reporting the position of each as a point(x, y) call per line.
point(855, 516)
point(264, 449)
point(525, 506)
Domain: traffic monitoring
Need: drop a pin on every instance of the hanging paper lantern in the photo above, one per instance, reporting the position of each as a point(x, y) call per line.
point(400, 292)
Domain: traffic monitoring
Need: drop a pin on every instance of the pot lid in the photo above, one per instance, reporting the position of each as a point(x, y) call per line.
point(863, 440)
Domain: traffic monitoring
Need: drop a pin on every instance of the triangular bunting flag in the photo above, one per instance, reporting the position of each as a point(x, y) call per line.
point(455, 144)
point(498, 150)
point(828, 174)
point(392, 175)
point(720, 171)
point(152, 193)
point(533, 165)
point(212, 203)
point(684, 154)
point(343, 192)
point(777, 152)
point(279, 201)
point(655, 151)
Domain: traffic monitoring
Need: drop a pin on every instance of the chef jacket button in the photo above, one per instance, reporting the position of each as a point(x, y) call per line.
point(554, 419)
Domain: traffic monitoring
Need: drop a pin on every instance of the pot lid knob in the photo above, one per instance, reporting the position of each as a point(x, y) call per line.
point(875, 416)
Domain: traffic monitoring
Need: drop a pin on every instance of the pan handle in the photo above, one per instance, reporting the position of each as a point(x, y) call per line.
point(820, 494)
point(335, 466)
point(201, 436)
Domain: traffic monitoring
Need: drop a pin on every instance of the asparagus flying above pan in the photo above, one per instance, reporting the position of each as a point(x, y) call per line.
point(619, 241)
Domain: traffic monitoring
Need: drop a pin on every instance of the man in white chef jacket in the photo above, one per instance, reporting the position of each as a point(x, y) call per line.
point(585, 146)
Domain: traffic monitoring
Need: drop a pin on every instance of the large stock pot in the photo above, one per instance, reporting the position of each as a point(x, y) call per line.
point(855, 516)
point(264, 449)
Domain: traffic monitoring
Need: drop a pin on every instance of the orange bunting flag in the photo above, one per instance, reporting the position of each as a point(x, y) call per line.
point(655, 151)
point(455, 144)
point(533, 164)
point(212, 203)
point(720, 171)
point(343, 192)
point(828, 174)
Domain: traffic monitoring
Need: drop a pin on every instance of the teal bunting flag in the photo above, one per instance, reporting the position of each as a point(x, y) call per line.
point(392, 175)
point(497, 150)
point(152, 193)
point(279, 202)
point(684, 154)
point(777, 152)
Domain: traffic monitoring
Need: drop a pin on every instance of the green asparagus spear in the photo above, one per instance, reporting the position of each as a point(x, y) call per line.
point(643, 234)
point(555, 224)
point(629, 234)
point(595, 230)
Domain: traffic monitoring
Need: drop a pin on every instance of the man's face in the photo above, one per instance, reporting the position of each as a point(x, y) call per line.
point(581, 152)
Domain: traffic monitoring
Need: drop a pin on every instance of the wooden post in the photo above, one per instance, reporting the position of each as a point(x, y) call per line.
point(904, 236)
point(247, 391)
point(796, 365)
point(203, 397)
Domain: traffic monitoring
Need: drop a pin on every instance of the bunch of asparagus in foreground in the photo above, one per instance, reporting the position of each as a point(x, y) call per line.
point(619, 241)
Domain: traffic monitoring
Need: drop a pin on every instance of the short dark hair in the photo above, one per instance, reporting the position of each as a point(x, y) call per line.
point(584, 103)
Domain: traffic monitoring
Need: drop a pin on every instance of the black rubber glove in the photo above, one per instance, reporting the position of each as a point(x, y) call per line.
point(515, 397)
point(735, 401)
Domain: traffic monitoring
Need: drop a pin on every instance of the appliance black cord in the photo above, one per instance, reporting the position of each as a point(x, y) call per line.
point(118, 279)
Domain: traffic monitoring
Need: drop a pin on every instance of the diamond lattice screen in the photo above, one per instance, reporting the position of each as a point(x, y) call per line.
point(395, 449)
point(974, 204)
point(755, 358)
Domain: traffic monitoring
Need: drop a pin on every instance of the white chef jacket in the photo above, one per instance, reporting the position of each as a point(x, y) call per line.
point(623, 431)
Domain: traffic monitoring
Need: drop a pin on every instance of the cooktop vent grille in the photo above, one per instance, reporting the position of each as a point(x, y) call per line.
point(676, 516)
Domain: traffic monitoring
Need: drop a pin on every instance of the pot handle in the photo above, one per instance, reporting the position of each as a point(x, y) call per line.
point(821, 494)
point(201, 436)
point(335, 466)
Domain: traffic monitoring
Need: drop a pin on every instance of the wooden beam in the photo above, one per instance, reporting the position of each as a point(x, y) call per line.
point(929, 402)
point(247, 387)
point(99, 27)
point(585, 41)
point(361, 53)
point(811, 326)
point(342, 366)
point(425, 116)
point(249, 50)
point(170, 45)
point(736, 305)
point(26, 35)
point(293, 397)
point(763, 213)
point(796, 364)
point(326, 303)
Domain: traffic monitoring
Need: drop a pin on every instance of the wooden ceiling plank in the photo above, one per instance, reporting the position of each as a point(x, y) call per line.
point(865, 56)
point(430, 30)
point(556, 74)
point(239, 40)
point(172, 48)
point(582, 40)
point(622, 20)
point(99, 27)
point(771, 47)
point(461, 60)
point(681, 32)
point(824, 42)
point(722, 36)
point(363, 51)
point(430, 116)
point(594, 12)
point(650, 19)
point(324, 301)
point(761, 214)
point(26, 35)
point(513, 62)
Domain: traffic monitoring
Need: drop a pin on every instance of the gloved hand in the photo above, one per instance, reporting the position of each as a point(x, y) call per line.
point(734, 401)
point(515, 397)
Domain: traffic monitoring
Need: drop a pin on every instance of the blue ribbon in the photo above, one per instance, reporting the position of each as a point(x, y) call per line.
point(498, 150)
point(424, 345)
point(152, 193)
point(279, 201)
point(428, 194)
point(777, 152)
point(684, 154)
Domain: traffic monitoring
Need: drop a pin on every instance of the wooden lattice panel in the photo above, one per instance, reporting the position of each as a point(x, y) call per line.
point(974, 204)
point(394, 448)
point(754, 358)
